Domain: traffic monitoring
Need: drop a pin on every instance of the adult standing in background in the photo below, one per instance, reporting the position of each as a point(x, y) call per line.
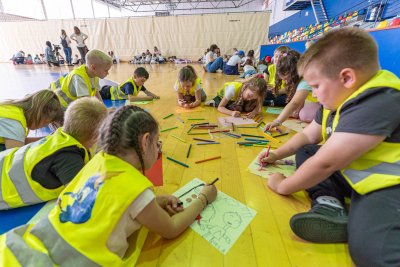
point(80, 38)
point(66, 44)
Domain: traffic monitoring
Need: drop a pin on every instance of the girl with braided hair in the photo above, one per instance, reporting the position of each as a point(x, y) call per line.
point(300, 102)
point(237, 97)
point(99, 217)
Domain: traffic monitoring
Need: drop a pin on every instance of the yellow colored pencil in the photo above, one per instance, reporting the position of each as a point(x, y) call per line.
point(180, 139)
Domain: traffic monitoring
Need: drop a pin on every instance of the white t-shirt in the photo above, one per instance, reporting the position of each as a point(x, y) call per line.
point(210, 55)
point(78, 87)
point(229, 92)
point(79, 38)
point(234, 60)
point(128, 224)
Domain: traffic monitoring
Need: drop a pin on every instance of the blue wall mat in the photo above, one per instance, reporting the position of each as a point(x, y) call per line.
point(12, 218)
point(333, 9)
point(388, 45)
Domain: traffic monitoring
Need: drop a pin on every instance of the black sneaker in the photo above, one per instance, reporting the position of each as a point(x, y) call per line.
point(322, 224)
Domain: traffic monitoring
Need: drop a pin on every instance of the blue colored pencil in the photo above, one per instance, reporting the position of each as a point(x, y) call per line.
point(178, 162)
point(257, 140)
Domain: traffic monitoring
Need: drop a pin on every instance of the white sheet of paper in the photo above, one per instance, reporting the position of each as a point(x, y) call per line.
point(223, 221)
point(227, 121)
point(295, 125)
point(264, 172)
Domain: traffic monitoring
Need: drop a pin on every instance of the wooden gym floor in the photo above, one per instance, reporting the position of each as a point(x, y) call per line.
point(267, 241)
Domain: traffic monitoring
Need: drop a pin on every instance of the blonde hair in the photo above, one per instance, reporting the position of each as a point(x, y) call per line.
point(98, 57)
point(39, 106)
point(349, 47)
point(84, 117)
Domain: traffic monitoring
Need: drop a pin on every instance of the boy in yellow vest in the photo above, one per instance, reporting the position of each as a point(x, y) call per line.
point(84, 80)
point(360, 157)
point(39, 171)
point(130, 89)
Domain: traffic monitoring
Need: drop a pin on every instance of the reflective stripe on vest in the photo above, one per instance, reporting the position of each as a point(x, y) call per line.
point(25, 255)
point(383, 168)
point(379, 167)
point(64, 99)
point(3, 204)
point(116, 93)
point(20, 180)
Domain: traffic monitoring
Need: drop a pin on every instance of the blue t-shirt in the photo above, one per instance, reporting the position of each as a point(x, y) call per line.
point(128, 88)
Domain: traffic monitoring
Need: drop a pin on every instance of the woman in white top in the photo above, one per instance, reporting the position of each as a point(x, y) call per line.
point(66, 44)
point(80, 38)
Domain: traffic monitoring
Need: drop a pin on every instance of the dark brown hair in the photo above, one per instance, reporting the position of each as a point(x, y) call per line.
point(123, 129)
point(287, 66)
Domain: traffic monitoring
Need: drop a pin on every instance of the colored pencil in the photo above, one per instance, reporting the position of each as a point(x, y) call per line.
point(255, 136)
point(220, 131)
point(246, 126)
point(263, 145)
point(280, 135)
point(231, 135)
point(197, 124)
point(260, 123)
point(268, 149)
point(207, 143)
point(206, 125)
point(250, 142)
point(191, 128)
point(168, 129)
point(233, 127)
point(190, 147)
point(179, 119)
point(213, 182)
point(196, 119)
point(204, 140)
point(178, 162)
point(180, 139)
point(204, 160)
point(196, 133)
point(166, 117)
point(256, 140)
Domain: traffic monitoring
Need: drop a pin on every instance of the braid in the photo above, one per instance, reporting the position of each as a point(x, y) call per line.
point(124, 129)
point(112, 130)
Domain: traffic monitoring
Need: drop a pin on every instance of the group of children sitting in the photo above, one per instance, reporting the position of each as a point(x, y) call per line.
point(149, 58)
point(351, 149)
point(19, 58)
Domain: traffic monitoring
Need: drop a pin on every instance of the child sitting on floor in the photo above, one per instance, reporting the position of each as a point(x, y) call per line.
point(189, 88)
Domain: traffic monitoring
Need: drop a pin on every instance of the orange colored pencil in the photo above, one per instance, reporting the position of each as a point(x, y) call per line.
point(204, 160)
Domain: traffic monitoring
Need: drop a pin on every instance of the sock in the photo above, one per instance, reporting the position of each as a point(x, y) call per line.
point(330, 201)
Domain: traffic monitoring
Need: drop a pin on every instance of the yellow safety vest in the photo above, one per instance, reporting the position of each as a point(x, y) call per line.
point(16, 166)
point(271, 78)
point(13, 113)
point(380, 167)
point(238, 86)
point(310, 98)
point(63, 93)
point(76, 231)
point(56, 84)
point(117, 93)
point(192, 90)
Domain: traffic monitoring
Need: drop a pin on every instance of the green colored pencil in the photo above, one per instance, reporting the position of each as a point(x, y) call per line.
point(195, 119)
point(168, 129)
point(166, 117)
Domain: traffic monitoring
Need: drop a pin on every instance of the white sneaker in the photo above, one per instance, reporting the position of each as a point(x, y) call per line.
point(219, 70)
point(210, 103)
